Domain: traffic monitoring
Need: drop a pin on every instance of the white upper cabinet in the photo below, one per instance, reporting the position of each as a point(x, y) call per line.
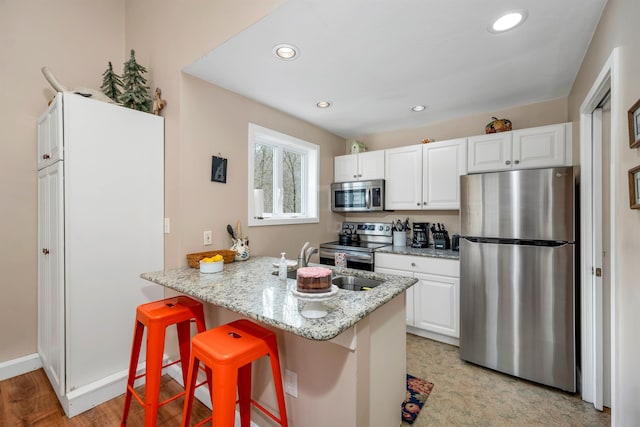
point(543, 146)
point(359, 167)
point(425, 176)
point(403, 178)
point(50, 148)
point(442, 164)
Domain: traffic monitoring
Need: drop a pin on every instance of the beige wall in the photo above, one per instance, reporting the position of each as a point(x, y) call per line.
point(75, 39)
point(522, 117)
point(618, 28)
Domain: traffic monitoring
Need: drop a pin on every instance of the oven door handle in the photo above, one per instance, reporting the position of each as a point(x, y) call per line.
point(351, 255)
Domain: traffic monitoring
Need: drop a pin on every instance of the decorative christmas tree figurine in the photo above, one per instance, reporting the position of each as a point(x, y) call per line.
point(136, 94)
point(111, 84)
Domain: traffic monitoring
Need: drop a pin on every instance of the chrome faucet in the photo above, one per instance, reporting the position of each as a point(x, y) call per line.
point(305, 255)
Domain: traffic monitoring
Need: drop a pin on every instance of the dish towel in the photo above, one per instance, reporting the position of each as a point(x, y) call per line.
point(341, 259)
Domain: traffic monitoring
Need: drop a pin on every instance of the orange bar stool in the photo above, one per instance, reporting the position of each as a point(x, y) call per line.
point(228, 351)
point(156, 317)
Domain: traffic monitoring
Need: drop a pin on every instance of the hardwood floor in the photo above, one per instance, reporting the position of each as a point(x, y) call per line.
point(29, 401)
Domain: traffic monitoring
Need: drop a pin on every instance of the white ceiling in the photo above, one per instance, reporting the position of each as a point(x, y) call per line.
point(375, 59)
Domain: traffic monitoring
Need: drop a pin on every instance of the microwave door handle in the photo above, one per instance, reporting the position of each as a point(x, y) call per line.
point(367, 198)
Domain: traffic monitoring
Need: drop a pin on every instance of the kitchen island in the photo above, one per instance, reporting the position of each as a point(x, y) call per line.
point(349, 365)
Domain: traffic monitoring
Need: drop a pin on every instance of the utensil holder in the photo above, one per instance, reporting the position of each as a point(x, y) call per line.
point(399, 238)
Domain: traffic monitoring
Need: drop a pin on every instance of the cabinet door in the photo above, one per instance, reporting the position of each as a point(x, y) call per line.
point(51, 326)
point(403, 177)
point(371, 165)
point(539, 147)
point(491, 152)
point(437, 304)
point(442, 165)
point(50, 134)
point(410, 292)
point(345, 168)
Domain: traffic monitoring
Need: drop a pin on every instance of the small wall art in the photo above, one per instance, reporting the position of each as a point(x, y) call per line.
point(634, 125)
point(634, 188)
point(218, 169)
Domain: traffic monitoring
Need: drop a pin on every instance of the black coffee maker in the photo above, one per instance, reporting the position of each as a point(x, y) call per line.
point(420, 235)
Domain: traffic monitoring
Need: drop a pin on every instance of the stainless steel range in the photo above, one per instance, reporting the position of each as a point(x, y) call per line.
point(358, 240)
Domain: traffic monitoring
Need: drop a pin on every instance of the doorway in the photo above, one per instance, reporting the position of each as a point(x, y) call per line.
point(597, 288)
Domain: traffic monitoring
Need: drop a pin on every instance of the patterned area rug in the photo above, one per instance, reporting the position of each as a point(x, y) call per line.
point(418, 391)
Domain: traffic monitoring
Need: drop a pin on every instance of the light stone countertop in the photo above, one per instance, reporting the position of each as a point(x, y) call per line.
point(249, 288)
point(425, 252)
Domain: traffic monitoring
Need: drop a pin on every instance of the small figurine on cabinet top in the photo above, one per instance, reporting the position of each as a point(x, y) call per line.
point(498, 125)
point(358, 147)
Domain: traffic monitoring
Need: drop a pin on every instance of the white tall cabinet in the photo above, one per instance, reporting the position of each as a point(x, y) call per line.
point(100, 224)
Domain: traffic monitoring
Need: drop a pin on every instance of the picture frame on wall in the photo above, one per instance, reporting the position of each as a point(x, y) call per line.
point(218, 169)
point(634, 188)
point(634, 125)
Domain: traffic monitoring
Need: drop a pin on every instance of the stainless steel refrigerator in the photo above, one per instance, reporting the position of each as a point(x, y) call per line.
point(517, 275)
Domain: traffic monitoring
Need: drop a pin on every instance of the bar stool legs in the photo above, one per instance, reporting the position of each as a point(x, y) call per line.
point(156, 317)
point(229, 351)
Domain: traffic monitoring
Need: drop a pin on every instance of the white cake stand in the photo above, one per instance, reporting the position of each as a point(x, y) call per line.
point(314, 307)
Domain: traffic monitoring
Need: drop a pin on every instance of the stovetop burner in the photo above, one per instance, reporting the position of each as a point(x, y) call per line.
point(362, 236)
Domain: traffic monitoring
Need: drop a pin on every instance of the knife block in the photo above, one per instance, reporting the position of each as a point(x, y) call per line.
point(442, 243)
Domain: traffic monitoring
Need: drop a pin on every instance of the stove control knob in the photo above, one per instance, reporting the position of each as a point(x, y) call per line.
point(387, 228)
point(380, 227)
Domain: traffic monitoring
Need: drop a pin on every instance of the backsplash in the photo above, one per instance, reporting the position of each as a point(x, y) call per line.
point(450, 219)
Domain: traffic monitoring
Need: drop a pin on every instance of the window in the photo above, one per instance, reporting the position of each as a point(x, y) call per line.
point(283, 178)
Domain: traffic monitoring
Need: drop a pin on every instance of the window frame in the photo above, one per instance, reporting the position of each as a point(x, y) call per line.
point(310, 177)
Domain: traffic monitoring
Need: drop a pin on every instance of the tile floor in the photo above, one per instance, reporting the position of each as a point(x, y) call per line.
point(468, 395)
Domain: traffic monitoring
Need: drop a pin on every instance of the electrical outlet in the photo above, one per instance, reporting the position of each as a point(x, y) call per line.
point(207, 238)
point(291, 383)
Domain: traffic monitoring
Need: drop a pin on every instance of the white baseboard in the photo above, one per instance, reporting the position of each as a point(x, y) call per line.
point(433, 336)
point(19, 366)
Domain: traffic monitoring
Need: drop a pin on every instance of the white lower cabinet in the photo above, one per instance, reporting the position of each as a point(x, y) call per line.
point(433, 303)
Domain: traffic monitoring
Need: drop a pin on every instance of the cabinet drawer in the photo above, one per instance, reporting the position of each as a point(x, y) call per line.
point(419, 264)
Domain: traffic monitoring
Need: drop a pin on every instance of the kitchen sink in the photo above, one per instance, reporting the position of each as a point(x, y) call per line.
point(348, 283)
point(353, 283)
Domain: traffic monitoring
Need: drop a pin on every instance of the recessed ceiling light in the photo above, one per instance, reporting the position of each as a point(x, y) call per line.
point(323, 104)
point(285, 51)
point(418, 108)
point(508, 21)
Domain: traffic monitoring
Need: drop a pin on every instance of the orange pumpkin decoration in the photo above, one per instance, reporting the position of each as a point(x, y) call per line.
point(498, 125)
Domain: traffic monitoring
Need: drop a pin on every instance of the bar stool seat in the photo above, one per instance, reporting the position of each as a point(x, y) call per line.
point(156, 317)
point(228, 351)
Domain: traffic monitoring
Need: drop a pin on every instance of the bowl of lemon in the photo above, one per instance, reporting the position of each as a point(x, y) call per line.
point(213, 264)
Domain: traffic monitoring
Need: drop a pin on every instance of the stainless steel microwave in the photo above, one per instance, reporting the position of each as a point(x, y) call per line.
point(357, 196)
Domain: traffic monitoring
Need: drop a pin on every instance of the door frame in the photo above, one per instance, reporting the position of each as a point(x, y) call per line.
point(607, 80)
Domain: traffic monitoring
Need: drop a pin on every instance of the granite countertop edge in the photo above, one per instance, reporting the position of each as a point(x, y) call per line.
point(242, 287)
point(423, 252)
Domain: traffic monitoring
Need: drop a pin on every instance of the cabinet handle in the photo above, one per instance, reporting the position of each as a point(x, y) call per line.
point(418, 204)
point(355, 176)
point(424, 203)
point(359, 175)
point(45, 251)
point(508, 162)
point(46, 156)
point(516, 162)
point(413, 264)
